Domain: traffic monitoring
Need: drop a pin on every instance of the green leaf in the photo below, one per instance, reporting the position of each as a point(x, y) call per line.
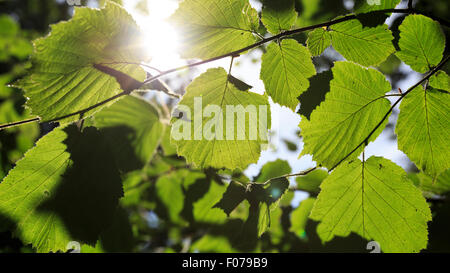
point(441, 185)
point(285, 70)
point(376, 200)
point(11, 42)
point(364, 45)
point(204, 210)
point(8, 27)
point(133, 129)
point(423, 129)
point(168, 148)
point(212, 244)
point(233, 196)
point(273, 169)
point(65, 189)
point(351, 110)
point(63, 73)
point(278, 15)
point(268, 199)
point(212, 28)
point(441, 81)
point(372, 5)
point(225, 138)
point(318, 40)
point(134, 189)
point(299, 217)
point(311, 182)
point(170, 192)
point(421, 43)
point(268, 216)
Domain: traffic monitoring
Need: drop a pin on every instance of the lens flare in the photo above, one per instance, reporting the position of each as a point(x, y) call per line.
point(160, 38)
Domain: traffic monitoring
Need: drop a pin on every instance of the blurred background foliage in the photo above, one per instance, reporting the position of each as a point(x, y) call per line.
point(167, 204)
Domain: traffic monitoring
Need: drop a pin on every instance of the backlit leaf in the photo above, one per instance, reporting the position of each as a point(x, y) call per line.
point(351, 110)
point(63, 73)
point(376, 200)
point(318, 40)
point(364, 45)
point(421, 43)
point(285, 70)
point(212, 28)
point(65, 189)
point(220, 138)
point(423, 129)
point(278, 15)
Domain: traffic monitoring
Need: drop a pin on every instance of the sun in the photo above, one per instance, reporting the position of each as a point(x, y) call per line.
point(160, 38)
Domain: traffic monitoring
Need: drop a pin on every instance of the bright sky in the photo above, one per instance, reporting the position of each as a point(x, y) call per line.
point(162, 42)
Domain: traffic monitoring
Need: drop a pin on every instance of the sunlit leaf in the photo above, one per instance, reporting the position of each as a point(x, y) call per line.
point(278, 15)
point(63, 73)
point(441, 81)
point(421, 43)
point(285, 70)
point(423, 129)
point(318, 40)
point(65, 189)
point(364, 45)
point(376, 200)
point(351, 110)
point(212, 28)
point(226, 138)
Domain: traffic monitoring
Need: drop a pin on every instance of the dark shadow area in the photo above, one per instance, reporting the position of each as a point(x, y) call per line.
point(8, 243)
point(120, 139)
point(352, 243)
point(372, 19)
point(118, 237)
point(311, 98)
point(439, 228)
point(87, 196)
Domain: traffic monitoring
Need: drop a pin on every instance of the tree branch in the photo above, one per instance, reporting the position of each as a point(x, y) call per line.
point(287, 175)
point(234, 54)
point(366, 140)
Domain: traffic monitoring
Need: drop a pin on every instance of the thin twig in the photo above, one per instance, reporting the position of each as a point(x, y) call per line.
point(17, 123)
point(288, 175)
